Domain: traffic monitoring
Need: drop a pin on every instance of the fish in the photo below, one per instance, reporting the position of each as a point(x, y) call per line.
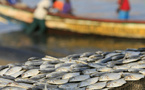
point(13, 70)
point(39, 76)
point(30, 73)
point(89, 71)
point(69, 86)
point(88, 82)
point(110, 76)
point(5, 80)
point(13, 88)
point(49, 58)
point(79, 78)
point(130, 60)
point(138, 66)
point(63, 69)
point(15, 75)
point(99, 85)
point(70, 75)
point(121, 67)
point(35, 62)
point(130, 54)
point(47, 70)
point(3, 84)
point(46, 65)
point(2, 72)
point(96, 65)
point(116, 83)
point(133, 77)
point(57, 81)
point(105, 69)
point(63, 65)
point(21, 85)
point(55, 74)
point(25, 80)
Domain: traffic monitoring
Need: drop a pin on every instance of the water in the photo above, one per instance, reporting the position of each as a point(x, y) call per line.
point(15, 46)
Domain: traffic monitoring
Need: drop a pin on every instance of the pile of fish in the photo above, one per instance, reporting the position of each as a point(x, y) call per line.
point(86, 71)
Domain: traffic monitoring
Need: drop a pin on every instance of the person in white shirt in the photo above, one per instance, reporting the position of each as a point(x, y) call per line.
point(39, 17)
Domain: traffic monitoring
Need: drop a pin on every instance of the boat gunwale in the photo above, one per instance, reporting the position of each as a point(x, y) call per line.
point(77, 17)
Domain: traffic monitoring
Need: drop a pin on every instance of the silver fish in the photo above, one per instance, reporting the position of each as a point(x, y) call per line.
point(13, 70)
point(63, 65)
point(55, 74)
point(105, 69)
point(21, 85)
point(98, 85)
point(79, 78)
point(49, 58)
point(110, 76)
point(13, 88)
point(70, 75)
point(133, 77)
point(30, 73)
point(63, 69)
point(88, 82)
point(2, 72)
point(5, 80)
point(58, 81)
point(116, 83)
point(89, 71)
point(70, 86)
point(15, 75)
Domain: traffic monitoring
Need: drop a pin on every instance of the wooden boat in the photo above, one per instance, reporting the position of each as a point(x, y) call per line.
point(115, 28)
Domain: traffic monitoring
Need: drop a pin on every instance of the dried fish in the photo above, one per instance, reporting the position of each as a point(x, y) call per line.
point(110, 76)
point(13, 70)
point(70, 75)
point(97, 65)
point(30, 73)
point(69, 86)
point(79, 78)
point(5, 80)
point(105, 69)
point(13, 88)
point(2, 72)
point(89, 71)
point(88, 82)
point(63, 69)
point(61, 81)
point(133, 76)
point(116, 83)
point(49, 58)
point(98, 85)
point(130, 60)
point(55, 74)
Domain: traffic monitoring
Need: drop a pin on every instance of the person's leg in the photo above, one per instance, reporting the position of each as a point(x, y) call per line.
point(42, 26)
point(127, 15)
point(32, 26)
point(122, 15)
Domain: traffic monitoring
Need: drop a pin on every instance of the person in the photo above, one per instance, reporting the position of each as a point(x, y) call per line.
point(39, 17)
point(58, 5)
point(12, 2)
point(67, 7)
point(124, 8)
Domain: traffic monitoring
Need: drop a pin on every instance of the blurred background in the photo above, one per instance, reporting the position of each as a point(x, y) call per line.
point(16, 46)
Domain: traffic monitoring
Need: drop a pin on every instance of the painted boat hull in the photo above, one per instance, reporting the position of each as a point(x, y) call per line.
point(115, 28)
